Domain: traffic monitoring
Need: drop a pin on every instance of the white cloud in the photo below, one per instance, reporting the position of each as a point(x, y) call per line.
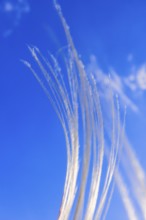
point(136, 81)
point(141, 77)
point(117, 83)
point(12, 11)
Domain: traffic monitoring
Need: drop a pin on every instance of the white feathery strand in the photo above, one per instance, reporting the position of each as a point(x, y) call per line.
point(108, 201)
point(118, 152)
point(68, 174)
point(132, 215)
point(72, 172)
point(138, 181)
point(59, 92)
point(97, 166)
point(64, 89)
point(111, 166)
point(59, 113)
point(59, 116)
point(115, 144)
point(85, 116)
point(71, 189)
point(52, 71)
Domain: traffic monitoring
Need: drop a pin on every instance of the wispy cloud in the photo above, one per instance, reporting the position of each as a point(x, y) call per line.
point(136, 81)
point(12, 11)
point(116, 82)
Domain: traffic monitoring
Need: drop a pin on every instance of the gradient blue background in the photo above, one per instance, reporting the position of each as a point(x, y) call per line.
point(32, 146)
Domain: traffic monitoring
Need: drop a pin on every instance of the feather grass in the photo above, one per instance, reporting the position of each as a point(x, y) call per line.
point(78, 101)
point(84, 94)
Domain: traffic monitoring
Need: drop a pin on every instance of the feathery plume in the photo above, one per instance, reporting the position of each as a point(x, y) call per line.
point(77, 103)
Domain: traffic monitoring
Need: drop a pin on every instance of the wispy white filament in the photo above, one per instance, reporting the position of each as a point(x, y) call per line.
point(132, 215)
point(136, 176)
point(77, 103)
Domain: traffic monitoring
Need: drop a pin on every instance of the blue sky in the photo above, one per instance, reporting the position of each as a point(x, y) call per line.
point(109, 34)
